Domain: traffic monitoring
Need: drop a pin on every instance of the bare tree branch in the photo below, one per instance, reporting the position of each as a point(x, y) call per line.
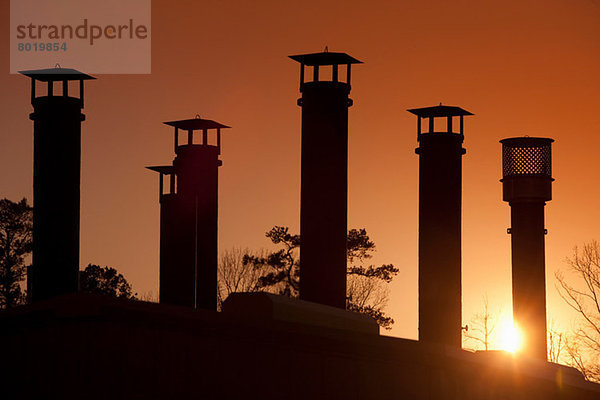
point(583, 297)
point(556, 343)
point(482, 326)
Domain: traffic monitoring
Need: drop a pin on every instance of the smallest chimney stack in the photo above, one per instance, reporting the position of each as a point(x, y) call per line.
point(188, 215)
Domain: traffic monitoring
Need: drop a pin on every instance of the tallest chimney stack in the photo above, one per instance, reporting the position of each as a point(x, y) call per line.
point(324, 181)
point(56, 181)
point(527, 186)
point(440, 196)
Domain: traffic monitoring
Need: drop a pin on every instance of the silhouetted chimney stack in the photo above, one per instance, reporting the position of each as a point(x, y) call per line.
point(527, 185)
point(324, 179)
point(188, 216)
point(440, 196)
point(56, 182)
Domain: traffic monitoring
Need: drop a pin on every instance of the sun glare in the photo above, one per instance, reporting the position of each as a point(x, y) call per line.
point(510, 337)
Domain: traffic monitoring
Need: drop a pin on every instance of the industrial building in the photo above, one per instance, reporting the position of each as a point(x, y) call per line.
point(67, 344)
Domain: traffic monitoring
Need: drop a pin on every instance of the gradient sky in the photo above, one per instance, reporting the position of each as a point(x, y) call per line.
point(522, 67)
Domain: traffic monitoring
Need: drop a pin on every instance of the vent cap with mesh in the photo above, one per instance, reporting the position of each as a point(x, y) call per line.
point(527, 156)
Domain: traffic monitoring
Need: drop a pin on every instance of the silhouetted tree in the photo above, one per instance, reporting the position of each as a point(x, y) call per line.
point(235, 276)
point(557, 342)
point(366, 290)
point(106, 281)
point(482, 326)
point(583, 346)
point(16, 228)
point(149, 296)
point(283, 266)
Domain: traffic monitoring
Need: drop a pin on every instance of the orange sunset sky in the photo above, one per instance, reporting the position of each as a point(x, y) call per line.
point(522, 67)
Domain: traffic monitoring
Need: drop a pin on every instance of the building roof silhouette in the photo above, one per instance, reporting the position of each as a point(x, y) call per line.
point(101, 347)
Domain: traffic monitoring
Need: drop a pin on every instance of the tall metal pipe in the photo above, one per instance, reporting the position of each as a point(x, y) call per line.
point(324, 178)
point(56, 183)
point(527, 185)
point(440, 228)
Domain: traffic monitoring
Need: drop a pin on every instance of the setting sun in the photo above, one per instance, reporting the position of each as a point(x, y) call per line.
point(510, 337)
